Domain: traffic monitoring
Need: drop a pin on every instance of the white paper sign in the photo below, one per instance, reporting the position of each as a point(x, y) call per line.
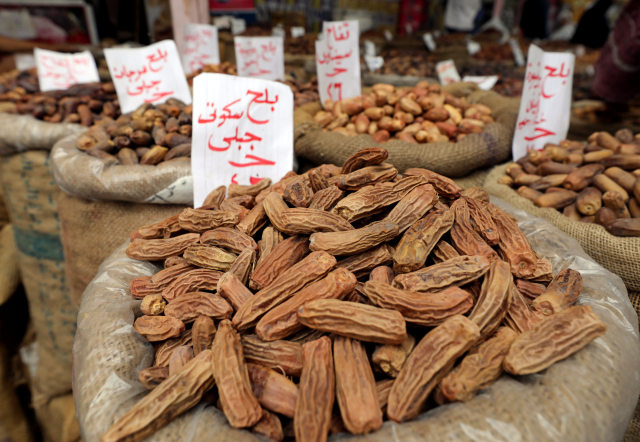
point(260, 57)
point(447, 72)
point(484, 82)
point(200, 47)
point(151, 74)
point(388, 35)
point(24, 61)
point(338, 61)
point(373, 62)
point(297, 31)
point(545, 107)
point(429, 42)
point(518, 57)
point(59, 71)
point(278, 31)
point(238, 26)
point(369, 48)
point(473, 47)
point(222, 22)
point(242, 132)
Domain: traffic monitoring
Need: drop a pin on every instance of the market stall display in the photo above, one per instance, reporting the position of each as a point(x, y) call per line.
point(589, 190)
point(302, 292)
point(476, 150)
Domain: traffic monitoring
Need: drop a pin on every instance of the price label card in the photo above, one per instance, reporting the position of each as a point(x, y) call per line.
point(388, 35)
point(297, 31)
point(338, 61)
point(238, 26)
point(518, 56)
point(242, 132)
point(151, 74)
point(545, 107)
point(447, 72)
point(484, 82)
point(200, 47)
point(59, 71)
point(373, 63)
point(278, 31)
point(222, 22)
point(429, 42)
point(24, 61)
point(260, 57)
point(473, 47)
point(369, 48)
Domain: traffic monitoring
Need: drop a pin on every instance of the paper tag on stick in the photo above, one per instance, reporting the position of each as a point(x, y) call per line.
point(200, 47)
point(545, 107)
point(260, 57)
point(447, 72)
point(151, 74)
point(338, 61)
point(242, 132)
point(59, 71)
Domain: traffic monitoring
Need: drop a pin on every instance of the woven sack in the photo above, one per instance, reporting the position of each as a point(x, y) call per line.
point(588, 396)
point(9, 271)
point(87, 177)
point(618, 254)
point(13, 424)
point(474, 151)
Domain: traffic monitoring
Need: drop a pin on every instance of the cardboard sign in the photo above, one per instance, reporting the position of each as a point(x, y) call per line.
point(238, 25)
point(518, 57)
point(484, 82)
point(473, 47)
point(260, 57)
point(59, 71)
point(545, 107)
point(338, 61)
point(373, 63)
point(242, 132)
point(429, 42)
point(447, 72)
point(151, 74)
point(200, 47)
point(297, 31)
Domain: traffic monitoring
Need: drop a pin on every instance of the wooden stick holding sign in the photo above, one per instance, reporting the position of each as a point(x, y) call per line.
point(151, 74)
point(545, 107)
point(59, 71)
point(338, 61)
point(242, 132)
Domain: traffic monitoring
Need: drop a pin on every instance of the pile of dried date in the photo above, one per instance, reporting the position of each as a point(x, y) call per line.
point(597, 181)
point(353, 283)
point(421, 114)
point(149, 135)
point(82, 104)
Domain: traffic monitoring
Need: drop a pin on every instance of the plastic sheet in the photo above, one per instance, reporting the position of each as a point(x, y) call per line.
point(91, 178)
point(588, 396)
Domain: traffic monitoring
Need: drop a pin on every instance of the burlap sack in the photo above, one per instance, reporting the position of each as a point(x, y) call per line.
point(588, 396)
point(60, 417)
point(475, 151)
point(9, 271)
point(87, 177)
point(13, 424)
point(29, 194)
point(91, 230)
point(617, 254)
point(23, 132)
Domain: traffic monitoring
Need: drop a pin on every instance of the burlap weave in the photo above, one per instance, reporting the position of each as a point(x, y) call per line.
point(23, 132)
point(91, 230)
point(618, 254)
point(475, 151)
point(9, 270)
point(588, 396)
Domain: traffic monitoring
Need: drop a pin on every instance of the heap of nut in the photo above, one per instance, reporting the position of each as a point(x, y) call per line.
point(149, 135)
point(354, 284)
point(421, 114)
point(594, 182)
point(81, 103)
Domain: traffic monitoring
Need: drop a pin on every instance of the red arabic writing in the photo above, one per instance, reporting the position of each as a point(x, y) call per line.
point(257, 58)
point(141, 81)
point(237, 125)
point(65, 70)
point(337, 57)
